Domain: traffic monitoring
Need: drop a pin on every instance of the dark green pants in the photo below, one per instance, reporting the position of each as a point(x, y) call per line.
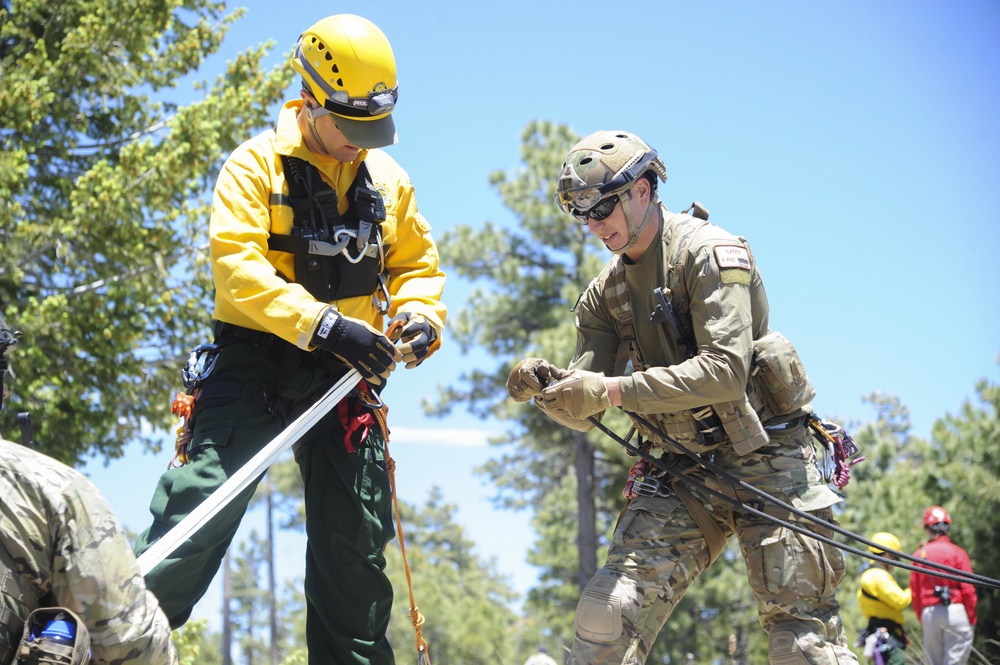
point(347, 499)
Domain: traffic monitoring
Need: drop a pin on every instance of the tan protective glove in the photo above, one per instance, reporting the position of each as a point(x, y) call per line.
point(580, 394)
point(529, 376)
point(416, 337)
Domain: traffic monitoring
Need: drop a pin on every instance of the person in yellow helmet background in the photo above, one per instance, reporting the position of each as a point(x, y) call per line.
point(316, 244)
point(882, 602)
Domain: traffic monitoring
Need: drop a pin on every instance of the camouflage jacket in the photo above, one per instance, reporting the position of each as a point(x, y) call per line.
point(67, 546)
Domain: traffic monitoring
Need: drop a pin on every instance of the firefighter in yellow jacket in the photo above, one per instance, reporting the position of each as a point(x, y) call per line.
point(882, 602)
point(316, 245)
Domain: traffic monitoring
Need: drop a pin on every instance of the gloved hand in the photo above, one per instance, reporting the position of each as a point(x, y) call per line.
point(418, 336)
point(357, 344)
point(580, 394)
point(529, 376)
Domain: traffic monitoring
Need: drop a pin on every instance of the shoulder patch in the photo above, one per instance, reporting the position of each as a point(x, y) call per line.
point(383, 191)
point(732, 256)
point(734, 276)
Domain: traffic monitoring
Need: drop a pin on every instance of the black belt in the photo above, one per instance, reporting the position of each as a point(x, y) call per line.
point(259, 338)
point(325, 361)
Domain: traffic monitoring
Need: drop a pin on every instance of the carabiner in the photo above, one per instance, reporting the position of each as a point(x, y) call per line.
point(382, 304)
point(375, 406)
point(342, 236)
point(200, 364)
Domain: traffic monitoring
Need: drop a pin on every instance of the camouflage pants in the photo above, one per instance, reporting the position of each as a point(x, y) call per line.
point(658, 551)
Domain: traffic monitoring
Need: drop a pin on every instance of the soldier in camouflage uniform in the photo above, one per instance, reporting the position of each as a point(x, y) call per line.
point(689, 376)
point(61, 545)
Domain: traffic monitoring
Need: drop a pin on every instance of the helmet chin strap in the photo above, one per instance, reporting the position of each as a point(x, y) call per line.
point(633, 230)
point(310, 112)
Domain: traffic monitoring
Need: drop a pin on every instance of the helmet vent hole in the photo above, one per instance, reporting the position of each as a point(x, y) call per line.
point(321, 46)
point(607, 146)
point(586, 160)
point(340, 82)
point(336, 70)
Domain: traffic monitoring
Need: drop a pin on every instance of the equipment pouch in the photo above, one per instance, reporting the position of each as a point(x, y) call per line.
point(53, 635)
point(778, 383)
point(329, 278)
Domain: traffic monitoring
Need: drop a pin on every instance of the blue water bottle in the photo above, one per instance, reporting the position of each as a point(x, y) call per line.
point(59, 631)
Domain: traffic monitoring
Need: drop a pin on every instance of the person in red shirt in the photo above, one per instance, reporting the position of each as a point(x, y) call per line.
point(946, 609)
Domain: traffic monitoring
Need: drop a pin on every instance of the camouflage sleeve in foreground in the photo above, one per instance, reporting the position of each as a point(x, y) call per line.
point(64, 537)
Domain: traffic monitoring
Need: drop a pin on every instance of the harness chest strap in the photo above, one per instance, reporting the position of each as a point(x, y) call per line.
point(336, 256)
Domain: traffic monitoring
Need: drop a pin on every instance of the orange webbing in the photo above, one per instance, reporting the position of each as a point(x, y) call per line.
point(416, 618)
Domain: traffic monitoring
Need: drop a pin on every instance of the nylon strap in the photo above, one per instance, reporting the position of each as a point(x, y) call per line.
point(303, 203)
point(714, 536)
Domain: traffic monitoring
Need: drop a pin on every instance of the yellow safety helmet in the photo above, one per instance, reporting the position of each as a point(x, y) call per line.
point(347, 64)
point(887, 541)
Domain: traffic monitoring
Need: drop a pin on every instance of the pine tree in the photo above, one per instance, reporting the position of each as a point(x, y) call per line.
point(103, 178)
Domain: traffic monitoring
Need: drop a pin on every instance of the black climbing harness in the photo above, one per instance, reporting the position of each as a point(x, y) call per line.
point(336, 256)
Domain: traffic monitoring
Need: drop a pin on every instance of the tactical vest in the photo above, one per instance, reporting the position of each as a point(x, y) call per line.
point(336, 256)
point(774, 375)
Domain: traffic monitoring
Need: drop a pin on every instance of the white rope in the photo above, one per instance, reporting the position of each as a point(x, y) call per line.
point(240, 480)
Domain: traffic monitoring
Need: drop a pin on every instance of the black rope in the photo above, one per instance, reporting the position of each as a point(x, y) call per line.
point(952, 573)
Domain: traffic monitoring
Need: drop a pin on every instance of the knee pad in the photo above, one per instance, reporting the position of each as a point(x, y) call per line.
point(789, 648)
point(784, 649)
point(609, 602)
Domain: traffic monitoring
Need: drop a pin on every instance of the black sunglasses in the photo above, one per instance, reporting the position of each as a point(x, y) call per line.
point(599, 212)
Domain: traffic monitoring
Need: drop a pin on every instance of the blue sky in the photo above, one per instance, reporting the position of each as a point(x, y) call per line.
point(855, 144)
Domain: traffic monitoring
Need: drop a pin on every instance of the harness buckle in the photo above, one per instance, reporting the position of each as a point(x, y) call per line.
point(711, 436)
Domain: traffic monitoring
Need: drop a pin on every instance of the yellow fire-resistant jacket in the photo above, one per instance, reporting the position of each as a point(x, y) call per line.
point(250, 288)
point(880, 597)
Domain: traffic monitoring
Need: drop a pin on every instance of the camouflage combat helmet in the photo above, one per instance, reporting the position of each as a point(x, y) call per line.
point(603, 165)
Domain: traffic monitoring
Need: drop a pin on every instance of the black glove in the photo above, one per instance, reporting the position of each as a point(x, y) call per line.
point(418, 336)
point(357, 344)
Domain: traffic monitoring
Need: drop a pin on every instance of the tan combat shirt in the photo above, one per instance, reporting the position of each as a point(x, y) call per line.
point(728, 310)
